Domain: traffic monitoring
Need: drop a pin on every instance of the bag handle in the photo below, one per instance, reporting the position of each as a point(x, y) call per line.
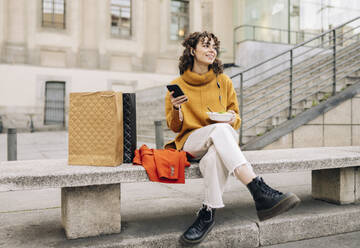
point(96, 92)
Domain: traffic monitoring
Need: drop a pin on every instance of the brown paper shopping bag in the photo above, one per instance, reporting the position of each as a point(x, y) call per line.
point(96, 128)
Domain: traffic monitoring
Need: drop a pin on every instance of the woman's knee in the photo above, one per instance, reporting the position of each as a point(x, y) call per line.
point(225, 128)
point(222, 127)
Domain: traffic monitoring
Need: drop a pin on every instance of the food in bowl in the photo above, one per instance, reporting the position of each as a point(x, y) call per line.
point(219, 116)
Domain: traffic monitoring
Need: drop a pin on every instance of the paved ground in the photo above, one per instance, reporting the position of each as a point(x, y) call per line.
point(23, 214)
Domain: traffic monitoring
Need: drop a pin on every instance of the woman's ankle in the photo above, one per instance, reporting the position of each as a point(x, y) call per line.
point(245, 173)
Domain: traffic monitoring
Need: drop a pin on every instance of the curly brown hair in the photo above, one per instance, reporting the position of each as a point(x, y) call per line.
point(187, 60)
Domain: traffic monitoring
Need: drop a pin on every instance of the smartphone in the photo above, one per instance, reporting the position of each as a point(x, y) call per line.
point(176, 88)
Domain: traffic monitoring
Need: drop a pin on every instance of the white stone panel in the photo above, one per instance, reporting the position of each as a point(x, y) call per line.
point(339, 115)
point(355, 135)
point(308, 136)
point(337, 135)
point(355, 104)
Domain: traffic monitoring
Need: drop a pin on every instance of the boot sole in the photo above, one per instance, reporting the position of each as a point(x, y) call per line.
point(185, 241)
point(284, 205)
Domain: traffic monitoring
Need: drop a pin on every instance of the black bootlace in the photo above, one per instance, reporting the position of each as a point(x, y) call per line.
point(202, 213)
point(267, 189)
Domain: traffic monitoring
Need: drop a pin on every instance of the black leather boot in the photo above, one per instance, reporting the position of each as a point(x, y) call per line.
point(269, 202)
point(201, 227)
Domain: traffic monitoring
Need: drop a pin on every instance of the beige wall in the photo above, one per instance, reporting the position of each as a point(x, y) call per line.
point(2, 25)
point(86, 56)
point(87, 43)
point(223, 27)
point(22, 88)
point(338, 127)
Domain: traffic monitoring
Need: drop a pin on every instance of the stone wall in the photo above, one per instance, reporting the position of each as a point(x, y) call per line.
point(87, 42)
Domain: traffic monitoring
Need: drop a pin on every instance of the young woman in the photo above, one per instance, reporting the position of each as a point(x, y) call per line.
point(214, 143)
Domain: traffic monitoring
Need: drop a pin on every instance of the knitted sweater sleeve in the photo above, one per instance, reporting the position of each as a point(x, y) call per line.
point(172, 116)
point(232, 103)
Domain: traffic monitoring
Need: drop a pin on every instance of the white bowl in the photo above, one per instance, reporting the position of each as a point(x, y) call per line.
point(216, 116)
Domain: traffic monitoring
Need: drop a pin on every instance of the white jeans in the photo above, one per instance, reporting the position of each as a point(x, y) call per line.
point(217, 146)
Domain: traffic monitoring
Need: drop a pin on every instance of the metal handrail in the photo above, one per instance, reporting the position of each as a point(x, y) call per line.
point(298, 93)
point(307, 51)
point(254, 27)
point(328, 41)
point(301, 99)
point(324, 87)
point(323, 65)
point(297, 46)
point(316, 54)
point(335, 45)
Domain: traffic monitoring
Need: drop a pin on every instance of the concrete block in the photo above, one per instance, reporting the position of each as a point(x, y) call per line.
point(339, 115)
point(334, 185)
point(308, 136)
point(284, 142)
point(357, 184)
point(337, 135)
point(309, 220)
point(355, 135)
point(91, 210)
point(355, 104)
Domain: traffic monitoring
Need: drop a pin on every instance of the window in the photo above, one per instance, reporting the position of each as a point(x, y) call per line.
point(121, 18)
point(54, 103)
point(53, 13)
point(179, 24)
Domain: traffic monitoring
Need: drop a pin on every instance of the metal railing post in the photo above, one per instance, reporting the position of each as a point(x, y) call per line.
point(234, 46)
point(291, 84)
point(241, 108)
point(334, 63)
point(159, 135)
point(11, 144)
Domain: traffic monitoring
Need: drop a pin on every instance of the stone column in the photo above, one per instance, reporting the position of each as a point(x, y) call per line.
point(88, 52)
point(16, 22)
point(91, 210)
point(334, 185)
point(33, 13)
point(152, 34)
point(195, 16)
point(207, 15)
point(3, 17)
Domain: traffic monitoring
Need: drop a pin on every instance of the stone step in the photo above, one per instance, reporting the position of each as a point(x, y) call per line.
point(236, 225)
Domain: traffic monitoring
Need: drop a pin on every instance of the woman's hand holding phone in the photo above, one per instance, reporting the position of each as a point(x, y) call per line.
point(177, 101)
point(177, 96)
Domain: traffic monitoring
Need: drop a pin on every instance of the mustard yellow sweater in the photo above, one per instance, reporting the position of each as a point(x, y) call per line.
point(202, 92)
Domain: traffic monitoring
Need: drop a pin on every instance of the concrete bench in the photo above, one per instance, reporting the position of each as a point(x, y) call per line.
point(90, 196)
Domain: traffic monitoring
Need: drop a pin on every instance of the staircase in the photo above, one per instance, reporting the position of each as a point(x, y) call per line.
point(278, 89)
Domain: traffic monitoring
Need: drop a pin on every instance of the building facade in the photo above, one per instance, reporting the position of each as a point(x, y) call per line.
point(49, 48)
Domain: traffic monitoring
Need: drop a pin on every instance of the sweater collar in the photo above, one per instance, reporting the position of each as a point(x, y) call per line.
point(197, 79)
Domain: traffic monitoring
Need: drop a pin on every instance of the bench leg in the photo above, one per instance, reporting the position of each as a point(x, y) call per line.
point(91, 210)
point(335, 185)
point(357, 184)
